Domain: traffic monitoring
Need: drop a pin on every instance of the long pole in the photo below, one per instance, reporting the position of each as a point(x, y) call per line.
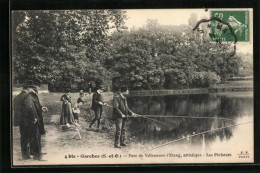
point(144, 117)
point(155, 120)
point(172, 116)
point(159, 146)
point(169, 116)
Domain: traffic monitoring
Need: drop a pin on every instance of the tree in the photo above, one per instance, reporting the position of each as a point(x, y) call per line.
point(54, 46)
point(76, 50)
point(155, 57)
point(133, 62)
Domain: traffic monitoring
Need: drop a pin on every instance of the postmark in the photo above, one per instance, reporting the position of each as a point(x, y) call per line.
point(239, 22)
point(212, 35)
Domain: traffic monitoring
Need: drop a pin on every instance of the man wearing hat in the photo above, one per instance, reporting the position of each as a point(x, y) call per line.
point(28, 107)
point(97, 102)
point(121, 112)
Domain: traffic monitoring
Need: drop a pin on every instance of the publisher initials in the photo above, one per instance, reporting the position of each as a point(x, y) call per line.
point(244, 154)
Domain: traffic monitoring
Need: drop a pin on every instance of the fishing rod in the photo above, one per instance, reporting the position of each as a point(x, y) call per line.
point(154, 120)
point(159, 146)
point(172, 116)
point(143, 117)
point(147, 117)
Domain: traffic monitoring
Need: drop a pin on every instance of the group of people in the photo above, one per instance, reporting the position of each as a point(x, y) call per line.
point(69, 114)
point(121, 112)
point(28, 115)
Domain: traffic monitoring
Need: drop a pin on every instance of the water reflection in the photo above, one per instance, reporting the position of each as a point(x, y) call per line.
point(232, 106)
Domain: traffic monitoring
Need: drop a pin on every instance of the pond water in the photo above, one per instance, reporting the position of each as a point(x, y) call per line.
point(235, 106)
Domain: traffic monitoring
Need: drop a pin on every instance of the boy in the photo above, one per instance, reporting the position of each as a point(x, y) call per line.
point(76, 112)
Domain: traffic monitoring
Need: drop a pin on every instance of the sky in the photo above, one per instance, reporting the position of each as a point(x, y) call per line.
point(138, 18)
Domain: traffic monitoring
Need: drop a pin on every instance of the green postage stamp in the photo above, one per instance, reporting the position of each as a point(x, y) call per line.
point(238, 22)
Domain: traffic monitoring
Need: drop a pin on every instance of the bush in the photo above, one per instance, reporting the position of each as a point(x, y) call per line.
point(205, 79)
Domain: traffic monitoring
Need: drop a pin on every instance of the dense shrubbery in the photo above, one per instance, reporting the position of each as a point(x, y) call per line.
point(74, 50)
point(158, 58)
point(205, 79)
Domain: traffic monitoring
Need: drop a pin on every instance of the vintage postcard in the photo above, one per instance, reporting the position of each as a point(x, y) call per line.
point(144, 86)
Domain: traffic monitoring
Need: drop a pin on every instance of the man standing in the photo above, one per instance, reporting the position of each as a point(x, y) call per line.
point(31, 121)
point(97, 102)
point(18, 101)
point(120, 113)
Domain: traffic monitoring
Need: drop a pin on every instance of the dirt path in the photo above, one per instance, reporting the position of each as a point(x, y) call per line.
point(57, 144)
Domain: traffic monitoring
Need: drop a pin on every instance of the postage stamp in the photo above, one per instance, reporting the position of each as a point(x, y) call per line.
point(238, 22)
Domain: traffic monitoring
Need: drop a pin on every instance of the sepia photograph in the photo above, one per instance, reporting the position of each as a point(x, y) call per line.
point(132, 86)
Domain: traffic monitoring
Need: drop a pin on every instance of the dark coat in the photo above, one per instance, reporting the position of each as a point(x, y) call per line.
point(120, 107)
point(18, 104)
point(95, 99)
point(65, 97)
point(30, 130)
point(66, 112)
point(33, 110)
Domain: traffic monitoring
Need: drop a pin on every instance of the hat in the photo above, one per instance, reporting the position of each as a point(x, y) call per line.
point(81, 91)
point(66, 90)
point(100, 87)
point(30, 84)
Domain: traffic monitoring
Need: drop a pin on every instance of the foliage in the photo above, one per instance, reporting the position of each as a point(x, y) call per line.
point(85, 48)
point(246, 69)
point(181, 59)
point(205, 79)
point(61, 47)
point(133, 63)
